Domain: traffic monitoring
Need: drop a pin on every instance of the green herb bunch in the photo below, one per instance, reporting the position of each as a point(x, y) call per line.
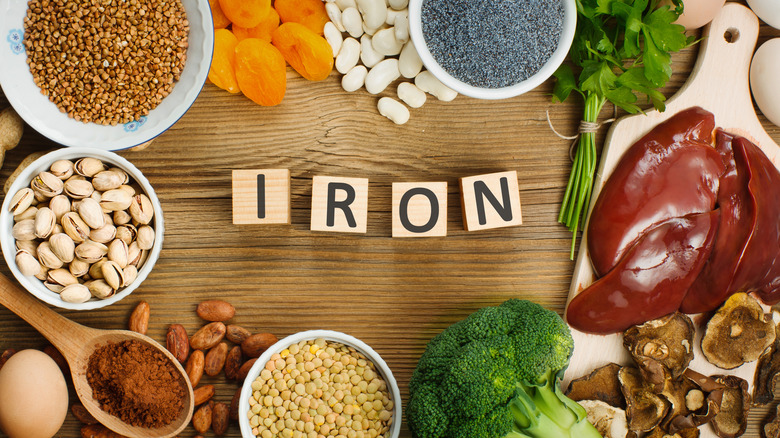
point(622, 49)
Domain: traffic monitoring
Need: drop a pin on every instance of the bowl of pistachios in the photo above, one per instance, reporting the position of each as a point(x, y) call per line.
point(81, 228)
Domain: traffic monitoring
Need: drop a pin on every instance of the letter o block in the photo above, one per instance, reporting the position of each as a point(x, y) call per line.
point(420, 209)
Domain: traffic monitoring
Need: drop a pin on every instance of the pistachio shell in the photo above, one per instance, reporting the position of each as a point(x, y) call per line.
point(47, 185)
point(130, 273)
point(95, 270)
point(122, 217)
point(108, 180)
point(43, 273)
point(27, 214)
point(142, 258)
point(141, 209)
point(145, 237)
point(79, 188)
point(122, 173)
point(114, 200)
point(47, 257)
point(44, 222)
point(21, 201)
point(54, 287)
point(89, 166)
point(91, 252)
point(113, 274)
point(24, 230)
point(78, 267)
point(27, 263)
point(100, 289)
point(134, 254)
point(104, 234)
point(62, 169)
point(75, 293)
point(127, 233)
point(118, 252)
point(30, 246)
point(60, 205)
point(75, 227)
point(129, 189)
point(91, 213)
point(63, 247)
point(62, 277)
point(57, 229)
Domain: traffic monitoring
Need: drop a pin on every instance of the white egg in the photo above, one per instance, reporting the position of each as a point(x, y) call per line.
point(697, 13)
point(767, 10)
point(764, 71)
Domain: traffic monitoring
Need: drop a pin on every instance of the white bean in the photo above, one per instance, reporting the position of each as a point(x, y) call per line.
point(352, 22)
point(354, 79)
point(393, 110)
point(368, 55)
point(333, 36)
point(334, 14)
point(344, 4)
point(409, 63)
point(411, 95)
point(391, 14)
point(374, 12)
point(348, 55)
point(371, 31)
point(382, 75)
point(401, 26)
point(428, 83)
point(398, 4)
point(384, 42)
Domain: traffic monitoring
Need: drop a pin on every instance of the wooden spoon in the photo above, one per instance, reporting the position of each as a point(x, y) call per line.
point(77, 343)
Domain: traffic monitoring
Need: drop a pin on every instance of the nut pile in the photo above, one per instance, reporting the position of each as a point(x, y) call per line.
point(106, 62)
point(320, 388)
point(82, 228)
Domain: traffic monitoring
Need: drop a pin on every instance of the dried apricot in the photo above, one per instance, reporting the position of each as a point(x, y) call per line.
point(262, 31)
point(310, 13)
point(219, 18)
point(308, 53)
point(245, 13)
point(223, 63)
point(261, 71)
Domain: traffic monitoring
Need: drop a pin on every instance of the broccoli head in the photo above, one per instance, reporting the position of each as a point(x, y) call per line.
point(496, 374)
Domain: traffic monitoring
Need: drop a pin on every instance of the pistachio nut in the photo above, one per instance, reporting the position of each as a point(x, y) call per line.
point(75, 293)
point(115, 200)
point(54, 287)
point(42, 274)
point(47, 185)
point(47, 257)
point(126, 233)
point(75, 227)
point(91, 252)
point(44, 222)
point(122, 173)
point(89, 166)
point(79, 188)
point(128, 189)
point(24, 230)
point(61, 276)
point(91, 213)
point(63, 247)
point(133, 254)
point(104, 234)
point(60, 205)
point(122, 217)
point(100, 289)
point(27, 263)
point(39, 197)
point(130, 274)
point(21, 201)
point(78, 267)
point(145, 237)
point(108, 180)
point(113, 274)
point(27, 214)
point(57, 229)
point(142, 258)
point(141, 209)
point(118, 252)
point(95, 271)
point(30, 246)
point(62, 169)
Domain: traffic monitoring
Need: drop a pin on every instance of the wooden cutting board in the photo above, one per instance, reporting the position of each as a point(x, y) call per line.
point(718, 83)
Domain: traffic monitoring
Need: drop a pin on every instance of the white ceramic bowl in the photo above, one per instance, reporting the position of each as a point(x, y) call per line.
point(44, 116)
point(381, 367)
point(7, 242)
point(547, 70)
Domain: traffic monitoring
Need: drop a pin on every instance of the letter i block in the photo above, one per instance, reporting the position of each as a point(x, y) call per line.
point(261, 196)
point(420, 209)
point(490, 201)
point(339, 204)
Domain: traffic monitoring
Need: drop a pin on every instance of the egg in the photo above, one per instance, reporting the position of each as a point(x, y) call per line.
point(764, 71)
point(698, 13)
point(33, 396)
point(767, 10)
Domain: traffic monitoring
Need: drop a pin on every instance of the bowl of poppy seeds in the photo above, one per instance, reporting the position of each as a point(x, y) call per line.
point(492, 49)
point(104, 74)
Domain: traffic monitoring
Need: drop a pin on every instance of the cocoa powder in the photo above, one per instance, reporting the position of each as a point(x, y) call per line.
point(136, 383)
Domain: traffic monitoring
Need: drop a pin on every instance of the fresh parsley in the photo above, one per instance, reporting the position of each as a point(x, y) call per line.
point(622, 49)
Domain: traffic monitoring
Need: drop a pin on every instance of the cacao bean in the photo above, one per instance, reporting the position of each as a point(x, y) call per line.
point(139, 319)
point(177, 342)
point(6, 355)
point(215, 359)
point(208, 336)
point(220, 419)
point(233, 363)
point(256, 344)
point(201, 419)
point(194, 367)
point(98, 431)
point(215, 310)
point(244, 370)
point(237, 334)
point(234, 405)
point(202, 394)
point(82, 414)
point(57, 357)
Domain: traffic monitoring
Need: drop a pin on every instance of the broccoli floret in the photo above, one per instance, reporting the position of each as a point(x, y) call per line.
point(496, 374)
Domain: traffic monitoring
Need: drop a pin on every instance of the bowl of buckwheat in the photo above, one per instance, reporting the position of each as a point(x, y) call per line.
point(105, 75)
point(320, 383)
point(81, 228)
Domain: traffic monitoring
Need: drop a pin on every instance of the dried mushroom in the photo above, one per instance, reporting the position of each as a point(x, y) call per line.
point(660, 433)
point(661, 346)
point(644, 409)
point(738, 332)
point(702, 402)
point(608, 420)
point(602, 384)
point(731, 421)
point(772, 427)
point(684, 397)
point(767, 372)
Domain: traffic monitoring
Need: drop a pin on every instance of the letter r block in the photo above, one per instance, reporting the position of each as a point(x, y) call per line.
point(420, 209)
point(261, 196)
point(339, 204)
point(490, 201)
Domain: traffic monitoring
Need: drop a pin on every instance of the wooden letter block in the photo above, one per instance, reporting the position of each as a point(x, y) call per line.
point(490, 201)
point(261, 196)
point(420, 209)
point(339, 204)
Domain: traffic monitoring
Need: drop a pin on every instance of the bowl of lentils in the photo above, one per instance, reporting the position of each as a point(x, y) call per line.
point(492, 49)
point(320, 383)
point(108, 75)
point(81, 228)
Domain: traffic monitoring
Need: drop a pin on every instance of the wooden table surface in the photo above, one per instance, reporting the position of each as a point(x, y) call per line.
point(394, 294)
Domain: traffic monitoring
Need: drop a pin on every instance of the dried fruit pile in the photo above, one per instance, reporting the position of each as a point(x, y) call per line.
point(252, 49)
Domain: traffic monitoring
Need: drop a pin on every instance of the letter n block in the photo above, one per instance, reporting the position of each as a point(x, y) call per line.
point(420, 209)
point(339, 204)
point(490, 201)
point(261, 196)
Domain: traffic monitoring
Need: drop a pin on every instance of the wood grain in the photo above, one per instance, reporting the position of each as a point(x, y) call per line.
point(394, 294)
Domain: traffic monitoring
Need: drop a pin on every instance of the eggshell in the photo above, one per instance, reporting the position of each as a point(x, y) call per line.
point(33, 396)
point(767, 10)
point(764, 71)
point(698, 13)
